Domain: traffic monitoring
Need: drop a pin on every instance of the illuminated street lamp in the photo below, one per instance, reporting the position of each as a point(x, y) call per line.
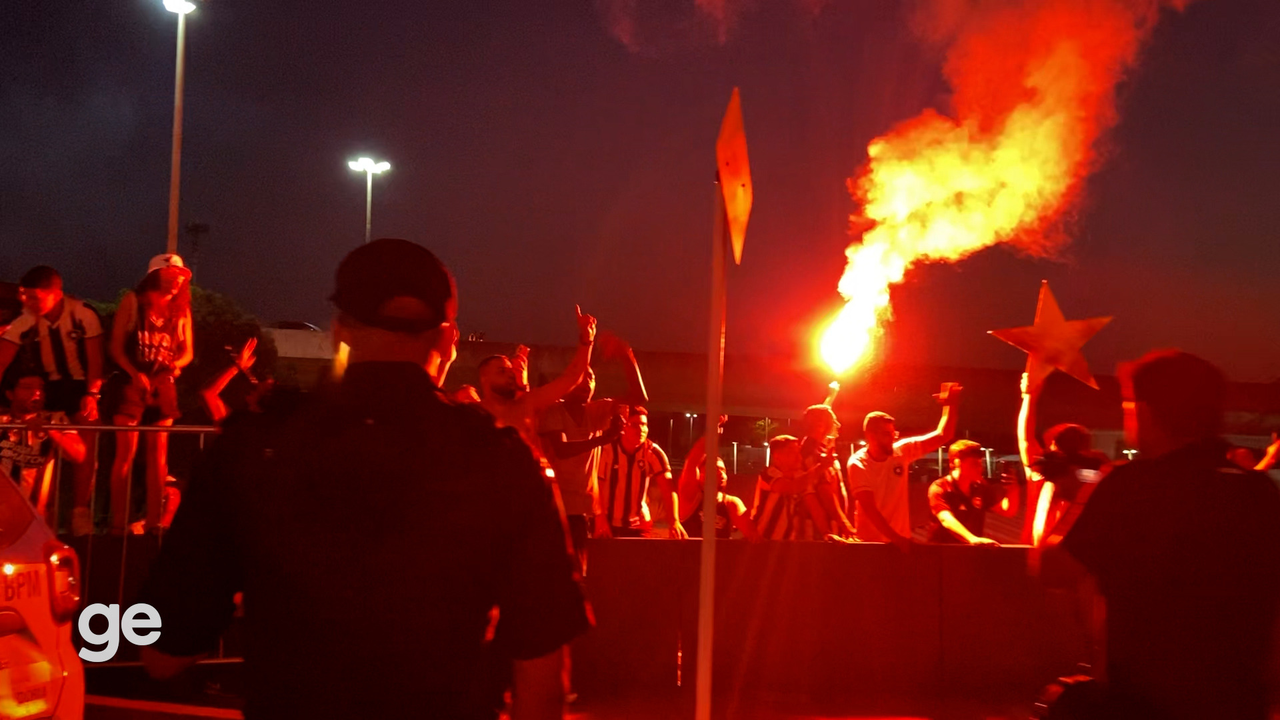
point(369, 168)
point(181, 8)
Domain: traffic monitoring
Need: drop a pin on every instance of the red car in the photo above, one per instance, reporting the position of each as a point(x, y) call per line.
point(40, 672)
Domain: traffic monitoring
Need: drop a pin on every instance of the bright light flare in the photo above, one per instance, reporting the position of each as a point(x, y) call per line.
point(365, 164)
point(865, 288)
point(181, 7)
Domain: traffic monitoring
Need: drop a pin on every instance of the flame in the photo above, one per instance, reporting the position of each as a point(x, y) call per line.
point(1034, 89)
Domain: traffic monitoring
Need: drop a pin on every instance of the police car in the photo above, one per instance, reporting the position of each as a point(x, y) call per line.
point(40, 672)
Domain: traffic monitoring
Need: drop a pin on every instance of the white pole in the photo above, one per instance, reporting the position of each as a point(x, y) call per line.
point(711, 474)
point(176, 159)
point(368, 205)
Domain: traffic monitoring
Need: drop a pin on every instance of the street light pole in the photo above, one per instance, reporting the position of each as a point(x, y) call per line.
point(368, 205)
point(181, 8)
point(369, 168)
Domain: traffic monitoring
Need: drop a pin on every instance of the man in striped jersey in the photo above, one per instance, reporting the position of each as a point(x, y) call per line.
point(786, 505)
point(60, 338)
point(628, 468)
point(818, 454)
point(26, 456)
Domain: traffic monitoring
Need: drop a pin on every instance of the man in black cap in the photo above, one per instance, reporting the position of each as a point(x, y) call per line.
point(374, 531)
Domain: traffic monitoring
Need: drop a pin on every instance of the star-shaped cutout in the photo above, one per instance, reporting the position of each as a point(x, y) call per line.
point(1053, 342)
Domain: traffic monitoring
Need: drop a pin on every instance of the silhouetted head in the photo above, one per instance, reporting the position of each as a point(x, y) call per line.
point(1171, 399)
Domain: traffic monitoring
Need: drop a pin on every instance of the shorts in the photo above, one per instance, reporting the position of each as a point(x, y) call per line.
point(162, 401)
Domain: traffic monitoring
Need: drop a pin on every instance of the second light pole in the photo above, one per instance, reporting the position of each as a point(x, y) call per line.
point(369, 168)
point(181, 8)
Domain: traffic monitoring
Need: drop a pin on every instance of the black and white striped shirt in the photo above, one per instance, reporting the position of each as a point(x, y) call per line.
point(56, 349)
point(779, 512)
point(624, 479)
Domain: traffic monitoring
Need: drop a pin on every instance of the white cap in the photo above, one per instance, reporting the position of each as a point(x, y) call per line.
point(167, 260)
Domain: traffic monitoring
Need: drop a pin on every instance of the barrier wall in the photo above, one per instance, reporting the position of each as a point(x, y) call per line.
point(833, 627)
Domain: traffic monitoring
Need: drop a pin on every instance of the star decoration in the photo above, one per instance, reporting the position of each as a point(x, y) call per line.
point(1053, 342)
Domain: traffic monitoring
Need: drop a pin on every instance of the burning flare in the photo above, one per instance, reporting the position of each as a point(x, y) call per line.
point(1034, 88)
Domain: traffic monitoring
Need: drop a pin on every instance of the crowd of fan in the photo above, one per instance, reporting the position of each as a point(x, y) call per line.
point(613, 479)
point(448, 510)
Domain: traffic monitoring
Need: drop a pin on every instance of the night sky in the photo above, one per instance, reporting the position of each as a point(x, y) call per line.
point(548, 165)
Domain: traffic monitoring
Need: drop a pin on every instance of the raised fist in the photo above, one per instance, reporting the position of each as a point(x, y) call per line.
point(950, 393)
point(586, 327)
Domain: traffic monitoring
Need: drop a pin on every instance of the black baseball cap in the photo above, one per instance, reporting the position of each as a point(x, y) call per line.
point(374, 275)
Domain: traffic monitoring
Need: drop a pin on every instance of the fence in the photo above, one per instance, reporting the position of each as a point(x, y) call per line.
point(848, 627)
point(108, 571)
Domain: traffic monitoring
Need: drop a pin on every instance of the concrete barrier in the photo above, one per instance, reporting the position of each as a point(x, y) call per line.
point(841, 628)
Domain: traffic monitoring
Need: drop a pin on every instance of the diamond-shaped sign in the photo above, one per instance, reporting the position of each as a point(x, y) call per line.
point(735, 174)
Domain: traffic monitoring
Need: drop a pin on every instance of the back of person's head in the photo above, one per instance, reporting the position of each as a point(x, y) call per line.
point(818, 412)
point(782, 443)
point(1184, 394)
point(877, 421)
point(961, 449)
point(485, 363)
point(1069, 438)
point(393, 284)
point(820, 420)
point(40, 277)
point(396, 299)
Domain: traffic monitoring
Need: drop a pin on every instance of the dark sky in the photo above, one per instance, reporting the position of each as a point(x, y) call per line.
point(547, 165)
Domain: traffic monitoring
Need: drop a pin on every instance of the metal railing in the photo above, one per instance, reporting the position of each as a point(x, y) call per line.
point(64, 473)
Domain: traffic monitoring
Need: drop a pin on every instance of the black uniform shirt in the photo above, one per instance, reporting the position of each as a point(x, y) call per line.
point(372, 531)
point(970, 510)
point(1186, 550)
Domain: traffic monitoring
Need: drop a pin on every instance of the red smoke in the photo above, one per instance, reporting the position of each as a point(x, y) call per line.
point(1034, 87)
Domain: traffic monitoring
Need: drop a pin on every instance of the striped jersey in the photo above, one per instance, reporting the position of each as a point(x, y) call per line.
point(779, 511)
point(624, 479)
point(26, 458)
point(817, 452)
point(56, 349)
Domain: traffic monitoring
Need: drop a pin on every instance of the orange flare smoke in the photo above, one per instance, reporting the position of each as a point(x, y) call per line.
point(1034, 88)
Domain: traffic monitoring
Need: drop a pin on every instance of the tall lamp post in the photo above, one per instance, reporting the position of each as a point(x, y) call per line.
point(181, 8)
point(369, 168)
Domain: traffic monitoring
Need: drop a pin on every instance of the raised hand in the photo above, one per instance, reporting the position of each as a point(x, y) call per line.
point(246, 358)
point(89, 408)
point(1029, 387)
point(950, 393)
point(586, 327)
point(35, 424)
